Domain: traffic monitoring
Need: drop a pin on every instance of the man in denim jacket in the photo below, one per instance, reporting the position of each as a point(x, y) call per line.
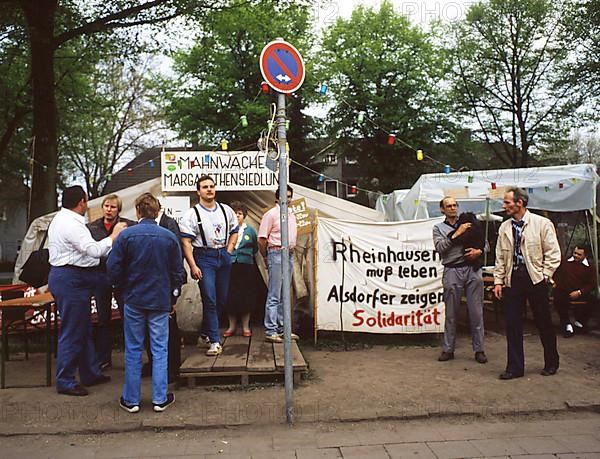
point(146, 265)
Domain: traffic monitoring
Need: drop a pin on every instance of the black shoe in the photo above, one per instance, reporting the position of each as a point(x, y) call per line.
point(509, 375)
point(445, 356)
point(163, 406)
point(549, 371)
point(101, 380)
point(481, 357)
point(127, 407)
point(76, 391)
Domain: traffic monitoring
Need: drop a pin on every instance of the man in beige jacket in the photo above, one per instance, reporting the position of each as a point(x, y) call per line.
point(527, 254)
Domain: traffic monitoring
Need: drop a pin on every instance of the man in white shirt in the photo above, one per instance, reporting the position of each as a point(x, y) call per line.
point(74, 260)
point(209, 234)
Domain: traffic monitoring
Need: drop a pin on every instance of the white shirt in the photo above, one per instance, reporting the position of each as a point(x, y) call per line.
point(213, 225)
point(70, 241)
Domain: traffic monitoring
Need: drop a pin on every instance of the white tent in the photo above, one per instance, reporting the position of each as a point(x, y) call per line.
point(556, 188)
point(188, 306)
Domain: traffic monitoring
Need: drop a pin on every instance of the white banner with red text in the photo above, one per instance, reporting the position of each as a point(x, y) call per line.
point(379, 277)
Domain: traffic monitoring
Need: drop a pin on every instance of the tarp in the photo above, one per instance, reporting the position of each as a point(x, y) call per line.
point(188, 306)
point(555, 188)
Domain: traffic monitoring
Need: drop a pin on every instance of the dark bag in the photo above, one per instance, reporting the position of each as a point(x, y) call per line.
point(37, 267)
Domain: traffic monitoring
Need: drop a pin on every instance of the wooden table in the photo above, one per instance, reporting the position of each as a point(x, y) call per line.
point(42, 301)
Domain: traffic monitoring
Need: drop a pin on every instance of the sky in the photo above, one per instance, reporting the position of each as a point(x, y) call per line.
point(418, 11)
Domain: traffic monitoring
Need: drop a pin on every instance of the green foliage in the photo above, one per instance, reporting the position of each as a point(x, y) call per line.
point(377, 62)
point(15, 94)
point(508, 58)
point(218, 79)
point(583, 31)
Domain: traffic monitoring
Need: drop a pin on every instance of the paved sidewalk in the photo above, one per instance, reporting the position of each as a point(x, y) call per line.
point(562, 436)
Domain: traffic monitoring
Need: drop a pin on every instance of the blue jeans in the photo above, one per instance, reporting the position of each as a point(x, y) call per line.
point(274, 306)
point(72, 289)
point(215, 265)
point(136, 321)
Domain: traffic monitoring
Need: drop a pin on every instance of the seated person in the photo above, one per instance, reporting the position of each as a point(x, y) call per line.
point(575, 281)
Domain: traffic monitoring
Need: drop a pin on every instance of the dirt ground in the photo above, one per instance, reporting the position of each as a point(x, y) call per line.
point(369, 382)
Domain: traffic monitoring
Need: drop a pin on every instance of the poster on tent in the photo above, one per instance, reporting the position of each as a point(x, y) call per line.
point(231, 170)
point(379, 277)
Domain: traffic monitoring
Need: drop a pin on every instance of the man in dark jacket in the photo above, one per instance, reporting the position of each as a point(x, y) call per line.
point(146, 265)
point(575, 281)
point(103, 293)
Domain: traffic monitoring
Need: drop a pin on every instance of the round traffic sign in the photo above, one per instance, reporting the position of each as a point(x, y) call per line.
point(282, 66)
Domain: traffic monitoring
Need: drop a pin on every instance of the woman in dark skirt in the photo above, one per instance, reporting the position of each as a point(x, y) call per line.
point(243, 275)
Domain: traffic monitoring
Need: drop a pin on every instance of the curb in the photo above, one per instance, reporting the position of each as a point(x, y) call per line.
point(152, 425)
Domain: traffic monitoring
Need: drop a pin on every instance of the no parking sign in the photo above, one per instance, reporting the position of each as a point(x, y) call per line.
point(282, 66)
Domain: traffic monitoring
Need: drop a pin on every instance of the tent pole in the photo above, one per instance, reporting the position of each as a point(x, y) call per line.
point(595, 241)
point(487, 225)
point(314, 273)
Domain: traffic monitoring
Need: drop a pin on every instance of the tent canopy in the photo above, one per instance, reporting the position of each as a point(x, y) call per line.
point(555, 188)
point(257, 202)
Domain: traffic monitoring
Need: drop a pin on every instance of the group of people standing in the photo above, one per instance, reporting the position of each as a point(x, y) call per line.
point(140, 264)
point(528, 262)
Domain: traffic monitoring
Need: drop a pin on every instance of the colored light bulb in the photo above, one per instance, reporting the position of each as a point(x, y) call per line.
point(244, 121)
point(360, 117)
point(321, 178)
point(323, 89)
point(109, 177)
point(264, 86)
point(224, 144)
point(207, 159)
point(419, 155)
point(391, 139)
point(130, 172)
point(287, 125)
point(447, 169)
point(561, 185)
point(470, 179)
point(151, 162)
point(493, 185)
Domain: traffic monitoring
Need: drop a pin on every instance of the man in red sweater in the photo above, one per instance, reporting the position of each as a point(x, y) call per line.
point(575, 281)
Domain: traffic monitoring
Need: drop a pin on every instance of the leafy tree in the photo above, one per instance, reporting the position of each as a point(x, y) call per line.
point(583, 30)
point(217, 80)
point(110, 119)
point(15, 109)
point(50, 26)
point(376, 62)
point(508, 58)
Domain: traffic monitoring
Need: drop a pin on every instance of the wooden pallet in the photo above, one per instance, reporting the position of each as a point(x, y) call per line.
point(243, 358)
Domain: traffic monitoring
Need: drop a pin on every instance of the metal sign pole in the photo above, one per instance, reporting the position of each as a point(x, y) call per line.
point(285, 256)
point(282, 67)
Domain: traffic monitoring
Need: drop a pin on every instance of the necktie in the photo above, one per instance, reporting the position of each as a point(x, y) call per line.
point(517, 233)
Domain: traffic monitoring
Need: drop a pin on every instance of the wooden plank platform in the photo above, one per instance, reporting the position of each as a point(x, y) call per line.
point(243, 358)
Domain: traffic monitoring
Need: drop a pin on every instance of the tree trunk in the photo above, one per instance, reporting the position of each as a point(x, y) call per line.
point(40, 23)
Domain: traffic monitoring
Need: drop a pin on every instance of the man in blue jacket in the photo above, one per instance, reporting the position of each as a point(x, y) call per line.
point(146, 266)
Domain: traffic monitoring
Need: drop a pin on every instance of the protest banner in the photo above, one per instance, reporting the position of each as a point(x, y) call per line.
point(379, 277)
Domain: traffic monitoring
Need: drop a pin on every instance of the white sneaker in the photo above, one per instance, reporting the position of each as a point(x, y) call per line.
point(294, 336)
point(214, 349)
point(203, 341)
point(578, 324)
